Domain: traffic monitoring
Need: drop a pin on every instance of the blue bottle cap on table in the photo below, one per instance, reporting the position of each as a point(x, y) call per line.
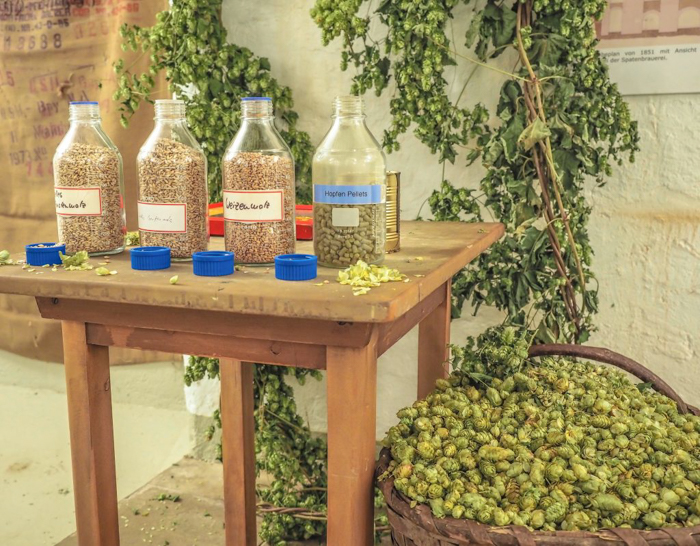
point(41, 254)
point(296, 267)
point(212, 263)
point(149, 258)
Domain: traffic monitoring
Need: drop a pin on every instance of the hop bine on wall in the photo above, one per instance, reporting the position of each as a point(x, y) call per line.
point(189, 44)
point(559, 122)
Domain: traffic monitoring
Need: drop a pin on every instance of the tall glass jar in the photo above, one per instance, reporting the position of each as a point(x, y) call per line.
point(349, 178)
point(173, 195)
point(89, 186)
point(259, 188)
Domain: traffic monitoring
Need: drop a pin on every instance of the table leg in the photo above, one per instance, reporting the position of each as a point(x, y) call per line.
point(89, 396)
point(352, 408)
point(433, 337)
point(238, 451)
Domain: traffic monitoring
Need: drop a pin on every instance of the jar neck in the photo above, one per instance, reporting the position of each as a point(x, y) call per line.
point(170, 111)
point(84, 113)
point(257, 110)
point(349, 108)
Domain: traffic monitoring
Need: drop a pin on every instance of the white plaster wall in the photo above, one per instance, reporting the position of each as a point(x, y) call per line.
point(644, 228)
point(645, 231)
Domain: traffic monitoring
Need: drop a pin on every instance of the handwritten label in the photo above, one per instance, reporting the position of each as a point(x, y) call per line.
point(254, 206)
point(163, 217)
point(78, 201)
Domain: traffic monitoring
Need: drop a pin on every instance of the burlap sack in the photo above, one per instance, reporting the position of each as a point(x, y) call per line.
point(52, 52)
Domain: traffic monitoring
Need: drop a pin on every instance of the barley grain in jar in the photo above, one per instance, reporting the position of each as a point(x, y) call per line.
point(259, 188)
point(173, 194)
point(89, 186)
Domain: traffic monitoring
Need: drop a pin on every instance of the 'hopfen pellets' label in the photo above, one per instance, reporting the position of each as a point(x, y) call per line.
point(163, 217)
point(78, 201)
point(254, 205)
point(366, 194)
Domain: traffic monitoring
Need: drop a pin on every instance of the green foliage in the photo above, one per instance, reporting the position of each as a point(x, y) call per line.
point(189, 43)
point(559, 122)
point(498, 352)
point(285, 449)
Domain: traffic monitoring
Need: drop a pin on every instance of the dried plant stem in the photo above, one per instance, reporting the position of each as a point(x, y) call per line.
point(548, 178)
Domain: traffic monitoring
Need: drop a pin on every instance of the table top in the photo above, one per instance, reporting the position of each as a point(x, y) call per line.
point(431, 253)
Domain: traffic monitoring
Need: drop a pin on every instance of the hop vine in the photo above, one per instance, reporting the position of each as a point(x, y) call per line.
point(286, 450)
point(189, 45)
point(559, 123)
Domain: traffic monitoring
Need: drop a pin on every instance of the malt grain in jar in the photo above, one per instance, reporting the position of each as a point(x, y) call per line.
point(258, 188)
point(173, 194)
point(89, 186)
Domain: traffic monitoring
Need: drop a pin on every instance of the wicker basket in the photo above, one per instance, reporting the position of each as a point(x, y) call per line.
point(417, 526)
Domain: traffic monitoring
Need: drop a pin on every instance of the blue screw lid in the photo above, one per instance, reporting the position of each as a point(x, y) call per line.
point(41, 254)
point(149, 258)
point(296, 267)
point(212, 263)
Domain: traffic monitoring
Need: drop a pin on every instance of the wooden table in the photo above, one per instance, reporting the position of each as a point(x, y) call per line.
point(244, 318)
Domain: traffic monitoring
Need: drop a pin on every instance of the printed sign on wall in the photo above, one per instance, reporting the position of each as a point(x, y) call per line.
point(652, 46)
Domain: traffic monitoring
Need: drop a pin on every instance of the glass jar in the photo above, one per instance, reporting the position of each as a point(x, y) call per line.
point(349, 179)
point(173, 195)
point(259, 188)
point(89, 186)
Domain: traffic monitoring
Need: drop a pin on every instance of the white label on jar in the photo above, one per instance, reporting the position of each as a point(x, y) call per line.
point(163, 217)
point(254, 205)
point(78, 201)
point(346, 217)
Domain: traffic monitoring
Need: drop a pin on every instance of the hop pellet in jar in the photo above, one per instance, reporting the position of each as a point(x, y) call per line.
point(88, 186)
point(173, 194)
point(258, 188)
point(345, 233)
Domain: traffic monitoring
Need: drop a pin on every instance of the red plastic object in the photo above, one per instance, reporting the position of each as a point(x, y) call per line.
point(305, 222)
point(216, 219)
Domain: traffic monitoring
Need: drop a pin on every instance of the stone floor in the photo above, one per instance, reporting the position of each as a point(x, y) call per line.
point(182, 506)
point(152, 431)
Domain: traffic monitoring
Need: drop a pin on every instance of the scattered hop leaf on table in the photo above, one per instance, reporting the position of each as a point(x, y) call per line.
point(133, 238)
point(174, 279)
point(5, 258)
point(76, 262)
point(104, 272)
point(362, 277)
